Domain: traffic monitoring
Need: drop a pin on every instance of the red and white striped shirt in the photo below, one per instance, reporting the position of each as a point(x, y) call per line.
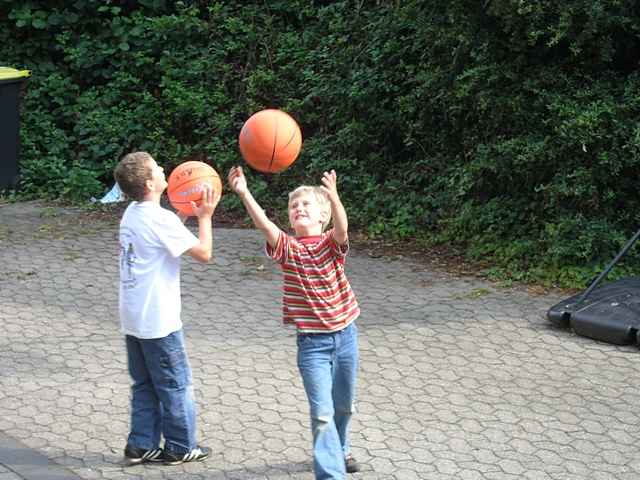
point(317, 296)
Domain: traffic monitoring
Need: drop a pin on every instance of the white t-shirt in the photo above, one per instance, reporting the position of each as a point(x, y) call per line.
point(151, 242)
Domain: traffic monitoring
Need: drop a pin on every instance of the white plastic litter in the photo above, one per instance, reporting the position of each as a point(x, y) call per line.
point(114, 195)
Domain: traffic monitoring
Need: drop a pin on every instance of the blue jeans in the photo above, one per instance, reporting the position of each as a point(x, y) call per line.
point(162, 399)
point(328, 363)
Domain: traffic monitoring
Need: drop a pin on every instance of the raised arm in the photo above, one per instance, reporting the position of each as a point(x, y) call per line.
point(238, 183)
point(204, 249)
point(340, 222)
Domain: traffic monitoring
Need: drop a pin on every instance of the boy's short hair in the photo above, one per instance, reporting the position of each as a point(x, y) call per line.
point(320, 197)
point(132, 172)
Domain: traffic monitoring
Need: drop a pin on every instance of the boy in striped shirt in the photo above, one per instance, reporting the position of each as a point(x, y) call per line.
point(319, 301)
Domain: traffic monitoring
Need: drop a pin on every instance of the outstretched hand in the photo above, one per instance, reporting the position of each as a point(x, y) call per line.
point(237, 180)
point(330, 185)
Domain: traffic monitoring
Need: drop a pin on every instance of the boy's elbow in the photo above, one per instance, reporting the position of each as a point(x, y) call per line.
point(340, 236)
point(341, 240)
point(207, 255)
point(200, 255)
point(205, 258)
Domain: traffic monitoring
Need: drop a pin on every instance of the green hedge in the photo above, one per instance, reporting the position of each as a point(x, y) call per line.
point(509, 128)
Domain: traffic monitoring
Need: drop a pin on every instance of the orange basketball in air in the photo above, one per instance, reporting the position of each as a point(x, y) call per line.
point(270, 141)
point(186, 182)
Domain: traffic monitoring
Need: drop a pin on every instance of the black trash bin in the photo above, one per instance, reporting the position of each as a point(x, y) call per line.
point(11, 81)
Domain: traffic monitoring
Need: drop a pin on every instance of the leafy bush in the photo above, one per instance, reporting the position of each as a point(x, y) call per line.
point(510, 128)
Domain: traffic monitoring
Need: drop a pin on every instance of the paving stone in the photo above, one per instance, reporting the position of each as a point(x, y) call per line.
point(459, 379)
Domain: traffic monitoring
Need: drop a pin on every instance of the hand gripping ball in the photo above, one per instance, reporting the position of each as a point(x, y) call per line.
point(186, 182)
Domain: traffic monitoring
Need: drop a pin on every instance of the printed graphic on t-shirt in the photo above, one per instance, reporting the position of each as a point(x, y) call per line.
point(127, 259)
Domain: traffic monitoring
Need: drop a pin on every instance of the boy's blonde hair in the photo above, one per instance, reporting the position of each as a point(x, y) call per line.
point(319, 195)
point(132, 172)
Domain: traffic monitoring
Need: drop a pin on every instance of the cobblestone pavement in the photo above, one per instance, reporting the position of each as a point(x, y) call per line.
point(460, 379)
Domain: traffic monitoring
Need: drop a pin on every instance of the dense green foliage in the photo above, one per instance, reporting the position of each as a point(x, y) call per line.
point(510, 128)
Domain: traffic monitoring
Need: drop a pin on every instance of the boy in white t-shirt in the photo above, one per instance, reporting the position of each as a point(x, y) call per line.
point(152, 239)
